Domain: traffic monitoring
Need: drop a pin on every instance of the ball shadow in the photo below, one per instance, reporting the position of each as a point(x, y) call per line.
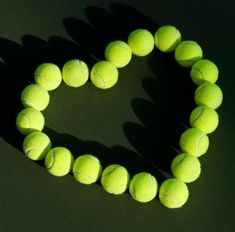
point(165, 116)
point(107, 155)
point(162, 115)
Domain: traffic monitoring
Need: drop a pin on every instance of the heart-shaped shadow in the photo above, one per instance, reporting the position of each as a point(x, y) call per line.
point(161, 114)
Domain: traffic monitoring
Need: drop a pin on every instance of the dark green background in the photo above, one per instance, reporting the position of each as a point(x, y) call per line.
point(137, 123)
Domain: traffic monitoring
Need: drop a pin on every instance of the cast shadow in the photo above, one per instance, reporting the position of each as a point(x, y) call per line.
point(166, 115)
point(107, 155)
point(17, 70)
point(106, 26)
point(161, 116)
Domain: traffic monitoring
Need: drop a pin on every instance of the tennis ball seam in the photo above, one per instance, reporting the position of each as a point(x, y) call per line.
point(28, 120)
point(83, 73)
point(178, 35)
point(81, 63)
point(199, 92)
point(79, 173)
point(198, 143)
point(189, 42)
point(93, 159)
point(53, 160)
point(114, 168)
point(152, 180)
point(82, 76)
point(199, 71)
point(198, 116)
point(97, 76)
point(134, 191)
point(174, 198)
point(34, 149)
point(178, 164)
point(143, 50)
point(117, 62)
point(46, 79)
point(29, 104)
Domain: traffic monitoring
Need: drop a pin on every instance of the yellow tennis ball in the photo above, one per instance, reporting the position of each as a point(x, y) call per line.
point(186, 168)
point(104, 75)
point(75, 73)
point(36, 145)
point(87, 169)
point(59, 161)
point(204, 70)
point(194, 142)
point(48, 75)
point(29, 120)
point(208, 94)
point(141, 42)
point(143, 187)
point(35, 96)
point(115, 179)
point(167, 38)
point(118, 53)
point(187, 53)
point(173, 193)
point(205, 119)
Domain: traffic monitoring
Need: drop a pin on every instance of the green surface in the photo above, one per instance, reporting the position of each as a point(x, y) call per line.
point(135, 124)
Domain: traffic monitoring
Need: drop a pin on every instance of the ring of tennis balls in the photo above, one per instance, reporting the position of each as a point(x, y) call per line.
point(115, 179)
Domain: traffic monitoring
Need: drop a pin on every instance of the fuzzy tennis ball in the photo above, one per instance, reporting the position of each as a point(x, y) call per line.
point(141, 42)
point(36, 145)
point(143, 187)
point(205, 119)
point(173, 193)
point(29, 120)
point(204, 70)
point(118, 53)
point(59, 161)
point(75, 73)
point(167, 38)
point(186, 168)
point(208, 94)
point(115, 179)
point(187, 53)
point(104, 75)
point(35, 96)
point(194, 142)
point(87, 169)
point(48, 75)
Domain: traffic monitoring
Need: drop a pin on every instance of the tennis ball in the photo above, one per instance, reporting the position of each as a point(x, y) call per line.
point(35, 96)
point(59, 161)
point(36, 145)
point(167, 38)
point(48, 75)
point(143, 187)
point(115, 179)
point(205, 119)
point(118, 53)
point(104, 75)
point(208, 94)
point(194, 142)
point(173, 193)
point(204, 70)
point(75, 73)
point(87, 169)
point(186, 168)
point(29, 120)
point(187, 53)
point(141, 42)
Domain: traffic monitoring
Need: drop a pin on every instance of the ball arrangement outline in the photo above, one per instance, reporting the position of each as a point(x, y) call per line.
point(115, 179)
